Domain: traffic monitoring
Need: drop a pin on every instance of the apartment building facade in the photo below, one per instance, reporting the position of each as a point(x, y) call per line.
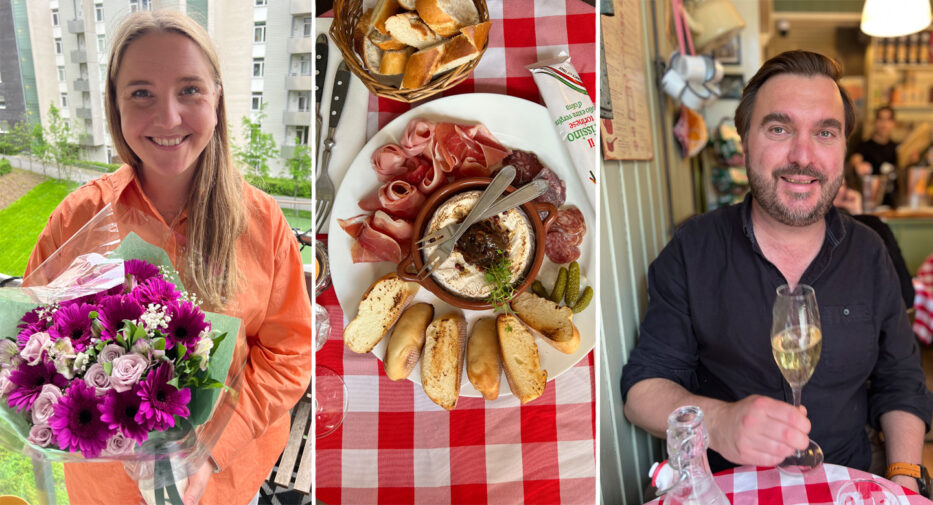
point(264, 48)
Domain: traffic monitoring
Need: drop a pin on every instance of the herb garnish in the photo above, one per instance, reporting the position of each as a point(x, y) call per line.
point(500, 278)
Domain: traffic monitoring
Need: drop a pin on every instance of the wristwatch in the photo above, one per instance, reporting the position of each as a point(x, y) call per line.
point(918, 472)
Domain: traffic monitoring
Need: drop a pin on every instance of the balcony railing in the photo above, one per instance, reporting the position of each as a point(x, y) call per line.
point(295, 117)
point(83, 112)
point(76, 25)
point(78, 56)
point(298, 83)
point(299, 45)
point(82, 85)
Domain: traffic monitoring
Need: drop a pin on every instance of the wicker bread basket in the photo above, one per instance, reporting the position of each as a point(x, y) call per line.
point(346, 15)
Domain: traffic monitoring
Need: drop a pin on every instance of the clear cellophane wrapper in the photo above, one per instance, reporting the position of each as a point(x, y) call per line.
point(91, 261)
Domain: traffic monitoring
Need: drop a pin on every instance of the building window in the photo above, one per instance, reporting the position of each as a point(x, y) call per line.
point(306, 29)
point(256, 102)
point(58, 45)
point(259, 32)
point(301, 135)
point(304, 100)
point(54, 17)
point(260, 3)
point(99, 12)
point(258, 67)
point(137, 5)
point(64, 100)
point(103, 74)
point(2, 102)
point(101, 43)
point(61, 73)
point(4, 126)
point(304, 62)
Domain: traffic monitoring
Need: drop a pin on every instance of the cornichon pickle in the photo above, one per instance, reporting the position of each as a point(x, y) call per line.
point(573, 284)
point(539, 289)
point(560, 286)
point(584, 300)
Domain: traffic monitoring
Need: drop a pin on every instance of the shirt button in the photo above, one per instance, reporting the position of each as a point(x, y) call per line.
point(845, 311)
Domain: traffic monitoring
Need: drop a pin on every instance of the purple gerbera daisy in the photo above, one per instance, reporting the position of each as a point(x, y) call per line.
point(186, 325)
point(119, 411)
point(113, 311)
point(139, 271)
point(31, 323)
point(76, 421)
point(160, 400)
point(72, 321)
point(28, 381)
point(155, 290)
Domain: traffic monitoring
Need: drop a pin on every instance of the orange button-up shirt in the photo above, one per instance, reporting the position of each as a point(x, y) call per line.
point(272, 303)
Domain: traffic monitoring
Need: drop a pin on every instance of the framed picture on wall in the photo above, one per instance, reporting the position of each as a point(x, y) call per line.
point(730, 53)
point(731, 86)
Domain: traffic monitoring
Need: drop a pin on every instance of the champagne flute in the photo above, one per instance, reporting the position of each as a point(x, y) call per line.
point(866, 492)
point(796, 341)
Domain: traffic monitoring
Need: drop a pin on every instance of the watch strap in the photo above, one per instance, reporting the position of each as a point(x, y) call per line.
point(908, 469)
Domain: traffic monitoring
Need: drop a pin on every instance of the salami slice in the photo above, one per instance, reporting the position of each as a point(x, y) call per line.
point(569, 220)
point(557, 189)
point(526, 166)
point(559, 250)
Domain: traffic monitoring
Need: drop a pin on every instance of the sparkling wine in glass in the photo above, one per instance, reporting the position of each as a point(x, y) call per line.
point(796, 341)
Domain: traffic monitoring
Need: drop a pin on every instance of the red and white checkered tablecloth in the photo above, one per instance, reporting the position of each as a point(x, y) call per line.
point(923, 301)
point(396, 446)
point(747, 485)
point(523, 32)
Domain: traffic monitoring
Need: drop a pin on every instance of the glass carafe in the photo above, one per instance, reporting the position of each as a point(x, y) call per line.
point(687, 442)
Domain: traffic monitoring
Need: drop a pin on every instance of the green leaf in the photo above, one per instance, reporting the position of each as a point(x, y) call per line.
point(158, 344)
point(108, 367)
point(174, 382)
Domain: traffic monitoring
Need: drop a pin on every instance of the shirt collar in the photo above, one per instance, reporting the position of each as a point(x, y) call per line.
point(125, 179)
point(835, 229)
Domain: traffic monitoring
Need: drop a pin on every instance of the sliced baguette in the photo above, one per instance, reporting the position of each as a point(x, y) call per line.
point(385, 42)
point(446, 17)
point(360, 31)
point(483, 362)
point(553, 322)
point(478, 33)
point(421, 66)
point(520, 358)
point(372, 56)
point(379, 309)
point(393, 62)
point(457, 51)
point(442, 359)
point(408, 4)
point(407, 340)
point(409, 29)
point(383, 10)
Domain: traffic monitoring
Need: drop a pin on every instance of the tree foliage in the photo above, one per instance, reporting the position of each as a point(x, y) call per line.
point(299, 164)
point(63, 148)
point(259, 148)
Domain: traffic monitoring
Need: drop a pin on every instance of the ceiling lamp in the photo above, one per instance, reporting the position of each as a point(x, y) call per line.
point(893, 18)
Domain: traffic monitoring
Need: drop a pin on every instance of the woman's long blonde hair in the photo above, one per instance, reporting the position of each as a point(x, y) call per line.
point(216, 213)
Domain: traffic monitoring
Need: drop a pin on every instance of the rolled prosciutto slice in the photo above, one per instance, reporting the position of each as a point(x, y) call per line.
point(417, 136)
point(389, 162)
point(399, 199)
point(456, 144)
point(370, 244)
point(399, 229)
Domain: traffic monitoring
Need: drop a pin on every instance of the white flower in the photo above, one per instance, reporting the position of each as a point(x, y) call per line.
point(8, 349)
point(126, 371)
point(40, 434)
point(42, 407)
point(119, 445)
point(203, 350)
point(38, 343)
point(63, 355)
point(6, 386)
point(97, 378)
point(155, 318)
point(81, 362)
point(110, 352)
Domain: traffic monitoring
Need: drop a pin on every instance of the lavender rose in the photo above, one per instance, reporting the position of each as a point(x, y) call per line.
point(119, 445)
point(110, 352)
point(126, 371)
point(37, 344)
point(43, 406)
point(6, 385)
point(41, 435)
point(97, 378)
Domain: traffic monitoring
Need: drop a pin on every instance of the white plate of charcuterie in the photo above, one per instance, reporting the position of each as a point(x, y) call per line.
point(515, 124)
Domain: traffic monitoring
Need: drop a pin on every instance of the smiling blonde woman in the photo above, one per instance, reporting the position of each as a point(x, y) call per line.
point(180, 190)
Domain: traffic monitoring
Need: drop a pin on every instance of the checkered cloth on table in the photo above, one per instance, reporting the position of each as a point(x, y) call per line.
point(396, 446)
point(768, 486)
point(523, 32)
point(923, 301)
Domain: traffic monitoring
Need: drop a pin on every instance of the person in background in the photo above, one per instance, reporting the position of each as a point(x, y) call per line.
point(878, 154)
point(228, 240)
point(850, 200)
point(705, 338)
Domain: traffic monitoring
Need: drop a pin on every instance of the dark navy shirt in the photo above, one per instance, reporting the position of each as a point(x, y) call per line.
point(708, 328)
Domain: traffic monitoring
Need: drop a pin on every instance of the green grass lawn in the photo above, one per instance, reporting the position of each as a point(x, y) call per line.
point(301, 219)
point(16, 478)
point(22, 222)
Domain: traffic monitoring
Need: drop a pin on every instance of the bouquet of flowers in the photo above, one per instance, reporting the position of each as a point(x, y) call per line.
point(131, 369)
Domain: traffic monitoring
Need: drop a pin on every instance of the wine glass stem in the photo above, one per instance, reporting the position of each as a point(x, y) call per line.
point(795, 390)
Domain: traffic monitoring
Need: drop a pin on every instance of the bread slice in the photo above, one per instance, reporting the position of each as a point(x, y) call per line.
point(442, 359)
point(385, 42)
point(553, 322)
point(393, 62)
point(408, 4)
point(409, 29)
point(360, 31)
point(383, 10)
point(446, 17)
point(520, 358)
point(421, 66)
point(483, 362)
point(380, 307)
point(457, 51)
point(478, 34)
